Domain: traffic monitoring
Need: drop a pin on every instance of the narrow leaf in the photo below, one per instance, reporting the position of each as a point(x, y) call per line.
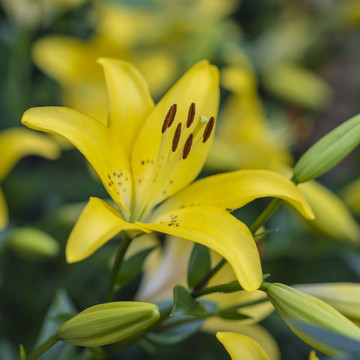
point(199, 264)
point(232, 314)
point(177, 333)
point(22, 352)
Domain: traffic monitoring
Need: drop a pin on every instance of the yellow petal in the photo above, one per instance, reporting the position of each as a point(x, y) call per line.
point(220, 231)
point(98, 223)
point(66, 59)
point(130, 100)
point(200, 85)
point(313, 356)
point(3, 212)
point(94, 140)
point(256, 332)
point(242, 347)
point(235, 189)
point(351, 195)
point(15, 143)
point(332, 217)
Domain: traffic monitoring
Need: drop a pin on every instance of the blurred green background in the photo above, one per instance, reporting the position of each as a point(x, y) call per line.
point(304, 56)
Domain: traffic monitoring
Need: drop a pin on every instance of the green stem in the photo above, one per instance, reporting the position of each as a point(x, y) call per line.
point(51, 341)
point(264, 286)
point(117, 265)
point(201, 284)
point(246, 304)
point(265, 215)
point(231, 287)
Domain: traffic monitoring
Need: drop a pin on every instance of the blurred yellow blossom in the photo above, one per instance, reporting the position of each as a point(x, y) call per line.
point(332, 217)
point(244, 138)
point(31, 14)
point(351, 195)
point(15, 143)
point(154, 39)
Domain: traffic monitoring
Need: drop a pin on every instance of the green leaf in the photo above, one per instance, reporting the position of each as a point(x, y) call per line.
point(184, 304)
point(60, 308)
point(199, 264)
point(328, 151)
point(232, 314)
point(177, 333)
point(133, 266)
point(22, 352)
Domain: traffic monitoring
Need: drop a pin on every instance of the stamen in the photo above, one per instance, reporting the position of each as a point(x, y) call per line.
point(176, 138)
point(187, 146)
point(191, 115)
point(208, 129)
point(171, 114)
point(169, 118)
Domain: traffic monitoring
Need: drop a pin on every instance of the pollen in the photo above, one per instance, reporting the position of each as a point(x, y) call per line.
point(169, 118)
point(187, 146)
point(191, 115)
point(176, 138)
point(208, 129)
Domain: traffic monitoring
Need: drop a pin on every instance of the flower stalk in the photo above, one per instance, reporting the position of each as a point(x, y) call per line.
point(126, 240)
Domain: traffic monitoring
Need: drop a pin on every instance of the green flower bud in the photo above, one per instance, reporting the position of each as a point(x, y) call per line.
point(293, 304)
point(108, 323)
point(344, 297)
point(328, 151)
point(33, 243)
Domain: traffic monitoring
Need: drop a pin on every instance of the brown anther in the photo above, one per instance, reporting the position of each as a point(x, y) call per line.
point(187, 146)
point(169, 118)
point(191, 115)
point(176, 138)
point(208, 129)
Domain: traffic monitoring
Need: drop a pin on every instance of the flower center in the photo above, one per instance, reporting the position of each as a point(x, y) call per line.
point(178, 141)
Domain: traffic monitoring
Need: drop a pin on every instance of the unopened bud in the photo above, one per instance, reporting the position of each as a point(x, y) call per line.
point(294, 305)
point(33, 243)
point(344, 297)
point(108, 323)
point(328, 151)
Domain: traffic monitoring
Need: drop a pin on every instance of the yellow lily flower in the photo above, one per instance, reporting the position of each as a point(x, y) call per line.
point(15, 143)
point(242, 347)
point(150, 154)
